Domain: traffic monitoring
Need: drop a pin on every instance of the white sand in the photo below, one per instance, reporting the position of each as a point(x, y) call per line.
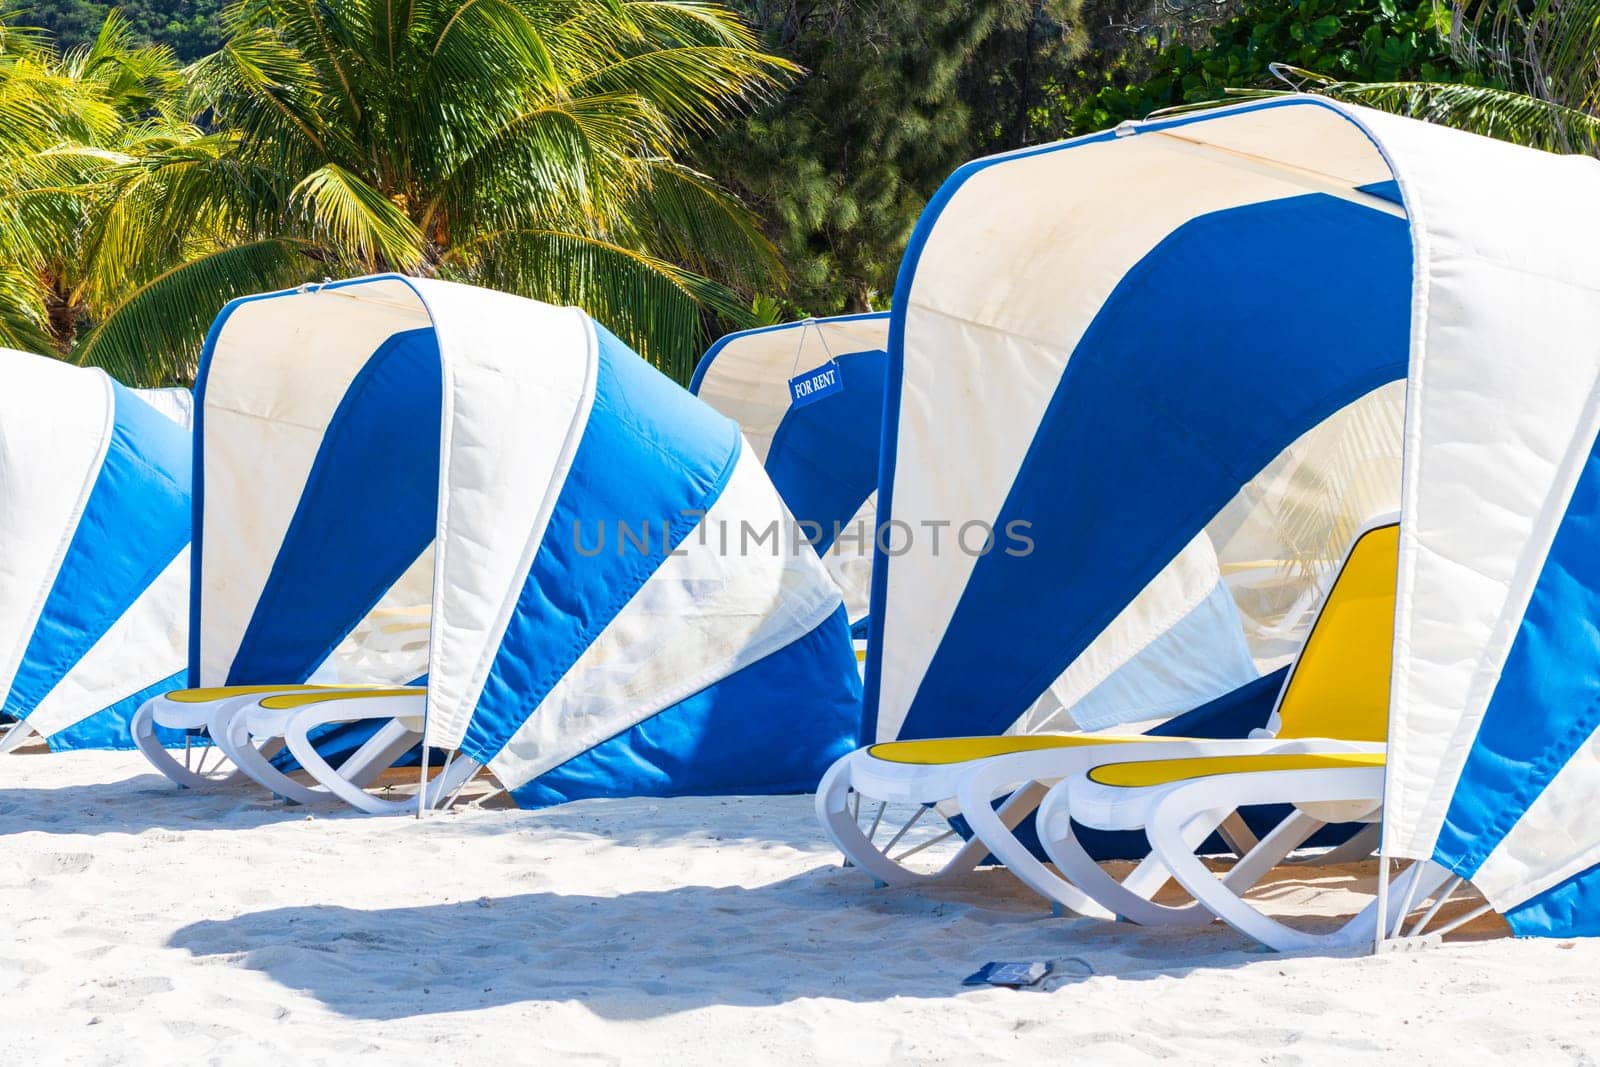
point(149, 925)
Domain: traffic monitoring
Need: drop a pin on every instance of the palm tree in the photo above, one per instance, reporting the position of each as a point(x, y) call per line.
point(529, 145)
point(56, 119)
point(88, 140)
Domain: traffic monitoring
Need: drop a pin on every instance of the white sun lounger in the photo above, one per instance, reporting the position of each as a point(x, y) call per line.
point(966, 775)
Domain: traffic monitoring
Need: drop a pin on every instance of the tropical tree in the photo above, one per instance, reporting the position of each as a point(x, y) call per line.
point(67, 123)
point(841, 167)
point(1538, 76)
point(529, 145)
point(191, 28)
point(1269, 41)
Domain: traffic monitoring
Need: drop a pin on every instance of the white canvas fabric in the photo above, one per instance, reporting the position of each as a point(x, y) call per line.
point(517, 379)
point(519, 382)
point(389, 646)
point(1501, 410)
point(46, 474)
point(175, 404)
point(1493, 444)
point(977, 290)
point(402, 561)
point(1282, 541)
point(849, 559)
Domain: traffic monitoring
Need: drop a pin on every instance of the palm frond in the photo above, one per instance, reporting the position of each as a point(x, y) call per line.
point(1499, 113)
point(346, 213)
point(686, 217)
point(657, 307)
point(153, 337)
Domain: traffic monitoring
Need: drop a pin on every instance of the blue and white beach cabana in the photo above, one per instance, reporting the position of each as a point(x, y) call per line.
point(1197, 354)
point(94, 562)
point(404, 482)
point(821, 448)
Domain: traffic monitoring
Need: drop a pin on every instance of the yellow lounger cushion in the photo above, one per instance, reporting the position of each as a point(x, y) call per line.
point(223, 692)
point(300, 700)
point(1165, 772)
point(1340, 686)
point(945, 750)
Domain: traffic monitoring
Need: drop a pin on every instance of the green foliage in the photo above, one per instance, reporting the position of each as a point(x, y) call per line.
point(898, 94)
point(532, 145)
point(69, 126)
point(1346, 40)
point(840, 168)
point(191, 28)
point(1534, 77)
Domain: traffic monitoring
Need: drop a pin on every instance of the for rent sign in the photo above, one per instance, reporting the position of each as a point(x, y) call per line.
point(813, 385)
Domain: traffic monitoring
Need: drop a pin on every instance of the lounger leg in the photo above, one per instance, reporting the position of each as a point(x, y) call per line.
point(1361, 845)
point(296, 733)
point(378, 753)
point(1173, 811)
point(143, 731)
point(975, 796)
point(1270, 851)
point(1129, 899)
point(844, 828)
point(230, 731)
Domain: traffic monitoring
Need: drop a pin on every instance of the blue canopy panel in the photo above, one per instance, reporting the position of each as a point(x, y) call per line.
point(1240, 331)
point(134, 524)
point(824, 456)
point(1543, 713)
point(652, 453)
point(108, 729)
point(773, 727)
point(649, 453)
point(368, 510)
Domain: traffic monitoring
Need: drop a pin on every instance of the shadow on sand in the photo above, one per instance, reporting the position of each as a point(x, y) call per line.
point(642, 955)
point(144, 802)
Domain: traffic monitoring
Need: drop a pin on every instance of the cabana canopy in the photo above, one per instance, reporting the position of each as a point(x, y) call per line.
point(1177, 352)
point(404, 480)
point(820, 451)
point(94, 537)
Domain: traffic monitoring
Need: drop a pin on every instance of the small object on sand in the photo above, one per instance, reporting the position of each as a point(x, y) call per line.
point(1012, 975)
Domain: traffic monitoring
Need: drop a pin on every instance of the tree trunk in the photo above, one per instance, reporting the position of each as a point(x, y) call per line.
point(62, 319)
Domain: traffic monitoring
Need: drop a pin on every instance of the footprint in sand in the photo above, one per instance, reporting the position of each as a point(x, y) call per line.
point(116, 996)
point(51, 864)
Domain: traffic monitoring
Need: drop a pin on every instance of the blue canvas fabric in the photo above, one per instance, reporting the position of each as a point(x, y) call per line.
point(650, 454)
point(1158, 420)
point(644, 452)
point(1569, 909)
point(108, 729)
point(1203, 655)
point(134, 524)
point(773, 727)
point(368, 510)
point(1546, 703)
point(824, 456)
